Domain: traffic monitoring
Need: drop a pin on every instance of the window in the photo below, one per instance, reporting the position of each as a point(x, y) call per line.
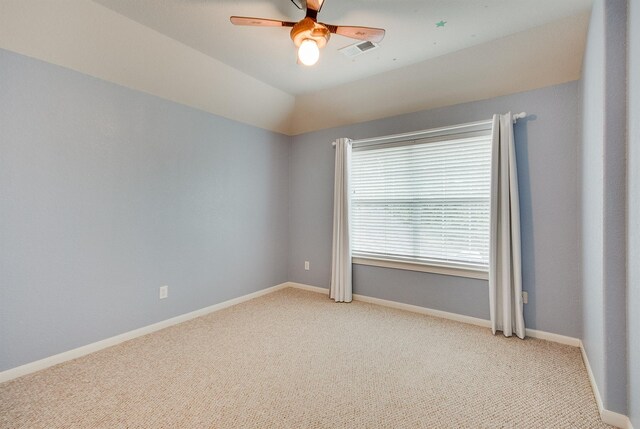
point(423, 202)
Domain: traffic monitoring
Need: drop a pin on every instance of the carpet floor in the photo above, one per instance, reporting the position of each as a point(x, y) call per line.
point(295, 359)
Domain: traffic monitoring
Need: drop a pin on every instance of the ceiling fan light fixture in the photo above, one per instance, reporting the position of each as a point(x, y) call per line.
point(309, 35)
point(308, 52)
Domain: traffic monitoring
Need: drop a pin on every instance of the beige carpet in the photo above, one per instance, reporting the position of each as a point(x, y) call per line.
point(295, 359)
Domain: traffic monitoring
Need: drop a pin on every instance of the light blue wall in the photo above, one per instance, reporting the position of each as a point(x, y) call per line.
point(547, 151)
point(633, 221)
point(108, 193)
point(604, 202)
point(592, 193)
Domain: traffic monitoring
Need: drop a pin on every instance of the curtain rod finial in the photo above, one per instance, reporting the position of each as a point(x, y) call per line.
point(520, 115)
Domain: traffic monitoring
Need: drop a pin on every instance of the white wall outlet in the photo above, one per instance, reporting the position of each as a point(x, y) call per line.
point(306, 265)
point(164, 292)
point(525, 297)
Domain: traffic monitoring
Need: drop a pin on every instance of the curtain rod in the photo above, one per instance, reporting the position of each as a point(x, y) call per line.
point(517, 116)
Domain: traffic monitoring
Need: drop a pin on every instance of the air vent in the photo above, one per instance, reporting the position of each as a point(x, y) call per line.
point(357, 49)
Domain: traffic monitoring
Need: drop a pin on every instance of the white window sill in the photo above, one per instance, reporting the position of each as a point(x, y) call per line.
point(425, 268)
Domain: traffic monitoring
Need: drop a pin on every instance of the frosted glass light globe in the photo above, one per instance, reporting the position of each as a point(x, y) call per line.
point(308, 52)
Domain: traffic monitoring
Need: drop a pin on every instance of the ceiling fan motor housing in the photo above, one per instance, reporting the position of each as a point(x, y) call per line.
point(310, 29)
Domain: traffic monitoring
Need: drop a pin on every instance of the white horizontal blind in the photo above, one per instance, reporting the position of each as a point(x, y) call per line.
point(423, 201)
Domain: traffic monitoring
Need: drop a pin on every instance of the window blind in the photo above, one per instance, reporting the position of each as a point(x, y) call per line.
point(424, 200)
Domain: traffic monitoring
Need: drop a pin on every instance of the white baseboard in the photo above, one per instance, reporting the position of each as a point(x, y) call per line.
point(401, 306)
point(615, 419)
point(555, 338)
point(592, 379)
point(307, 287)
point(41, 364)
point(609, 417)
point(423, 310)
point(533, 333)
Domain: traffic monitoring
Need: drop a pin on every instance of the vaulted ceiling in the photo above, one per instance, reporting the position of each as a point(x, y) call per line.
point(480, 49)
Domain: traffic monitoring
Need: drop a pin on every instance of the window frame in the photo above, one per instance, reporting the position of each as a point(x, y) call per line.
point(435, 134)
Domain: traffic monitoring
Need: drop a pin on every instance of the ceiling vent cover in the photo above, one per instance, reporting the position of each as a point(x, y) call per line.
point(358, 48)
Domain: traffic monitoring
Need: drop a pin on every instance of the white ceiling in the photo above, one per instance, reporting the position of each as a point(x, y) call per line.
point(188, 52)
point(268, 54)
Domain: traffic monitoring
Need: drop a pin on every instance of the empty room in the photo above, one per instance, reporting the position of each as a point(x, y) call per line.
point(319, 214)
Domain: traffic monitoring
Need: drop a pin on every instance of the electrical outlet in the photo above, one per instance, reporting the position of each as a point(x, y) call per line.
point(164, 292)
point(306, 265)
point(525, 297)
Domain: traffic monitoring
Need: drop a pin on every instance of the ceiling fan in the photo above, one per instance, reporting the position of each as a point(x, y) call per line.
point(309, 35)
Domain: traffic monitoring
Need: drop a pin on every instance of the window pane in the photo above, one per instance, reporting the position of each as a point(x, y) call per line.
point(423, 201)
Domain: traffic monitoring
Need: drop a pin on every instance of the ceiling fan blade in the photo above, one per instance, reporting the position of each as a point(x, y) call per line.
point(360, 33)
point(259, 22)
point(315, 5)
